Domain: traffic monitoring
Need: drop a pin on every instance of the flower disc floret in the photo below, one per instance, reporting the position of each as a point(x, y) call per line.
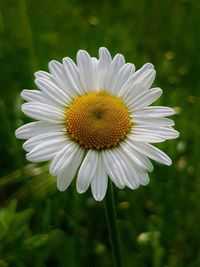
point(97, 120)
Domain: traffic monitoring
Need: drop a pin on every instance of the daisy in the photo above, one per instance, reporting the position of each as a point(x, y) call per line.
point(94, 119)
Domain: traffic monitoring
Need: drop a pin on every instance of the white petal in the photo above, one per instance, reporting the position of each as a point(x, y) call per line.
point(136, 85)
point(51, 82)
point(87, 171)
point(32, 95)
point(59, 77)
point(140, 174)
point(147, 78)
point(44, 112)
point(67, 174)
point(130, 175)
point(95, 64)
point(154, 112)
point(145, 99)
point(36, 96)
point(35, 128)
point(45, 151)
point(165, 132)
point(103, 66)
point(53, 92)
point(151, 121)
point(147, 138)
point(121, 78)
point(131, 94)
point(72, 75)
point(39, 139)
point(87, 71)
point(142, 70)
point(100, 181)
point(115, 66)
point(152, 152)
point(105, 58)
point(113, 168)
point(64, 157)
point(44, 75)
point(143, 176)
point(136, 156)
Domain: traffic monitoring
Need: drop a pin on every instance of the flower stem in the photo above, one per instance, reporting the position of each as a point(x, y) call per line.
point(113, 230)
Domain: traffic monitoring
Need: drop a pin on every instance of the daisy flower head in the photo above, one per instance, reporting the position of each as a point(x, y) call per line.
point(94, 119)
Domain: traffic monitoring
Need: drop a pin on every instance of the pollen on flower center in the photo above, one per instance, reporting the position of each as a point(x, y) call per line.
point(97, 120)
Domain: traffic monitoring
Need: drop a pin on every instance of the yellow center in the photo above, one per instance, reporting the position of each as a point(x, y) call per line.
point(97, 120)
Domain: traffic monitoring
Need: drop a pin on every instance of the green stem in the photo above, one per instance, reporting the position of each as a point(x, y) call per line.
point(111, 219)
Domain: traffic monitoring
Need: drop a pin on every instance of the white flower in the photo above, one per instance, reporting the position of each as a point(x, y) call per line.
point(95, 119)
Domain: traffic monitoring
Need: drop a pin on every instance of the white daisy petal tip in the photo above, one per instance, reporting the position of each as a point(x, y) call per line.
point(60, 188)
point(103, 50)
point(24, 107)
point(167, 162)
point(178, 134)
point(19, 133)
point(82, 54)
point(29, 157)
point(22, 93)
point(173, 112)
point(52, 64)
point(52, 170)
point(104, 54)
point(98, 197)
point(80, 190)
point(170, 163)
point(148, 65)
point(95, 119)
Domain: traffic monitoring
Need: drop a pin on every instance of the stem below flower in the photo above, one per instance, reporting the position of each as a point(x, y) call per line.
point(113, 230)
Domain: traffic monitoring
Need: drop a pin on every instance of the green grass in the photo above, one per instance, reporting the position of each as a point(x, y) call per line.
point(159, 223)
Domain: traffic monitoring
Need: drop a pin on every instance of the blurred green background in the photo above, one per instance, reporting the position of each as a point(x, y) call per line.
point(159, 223)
